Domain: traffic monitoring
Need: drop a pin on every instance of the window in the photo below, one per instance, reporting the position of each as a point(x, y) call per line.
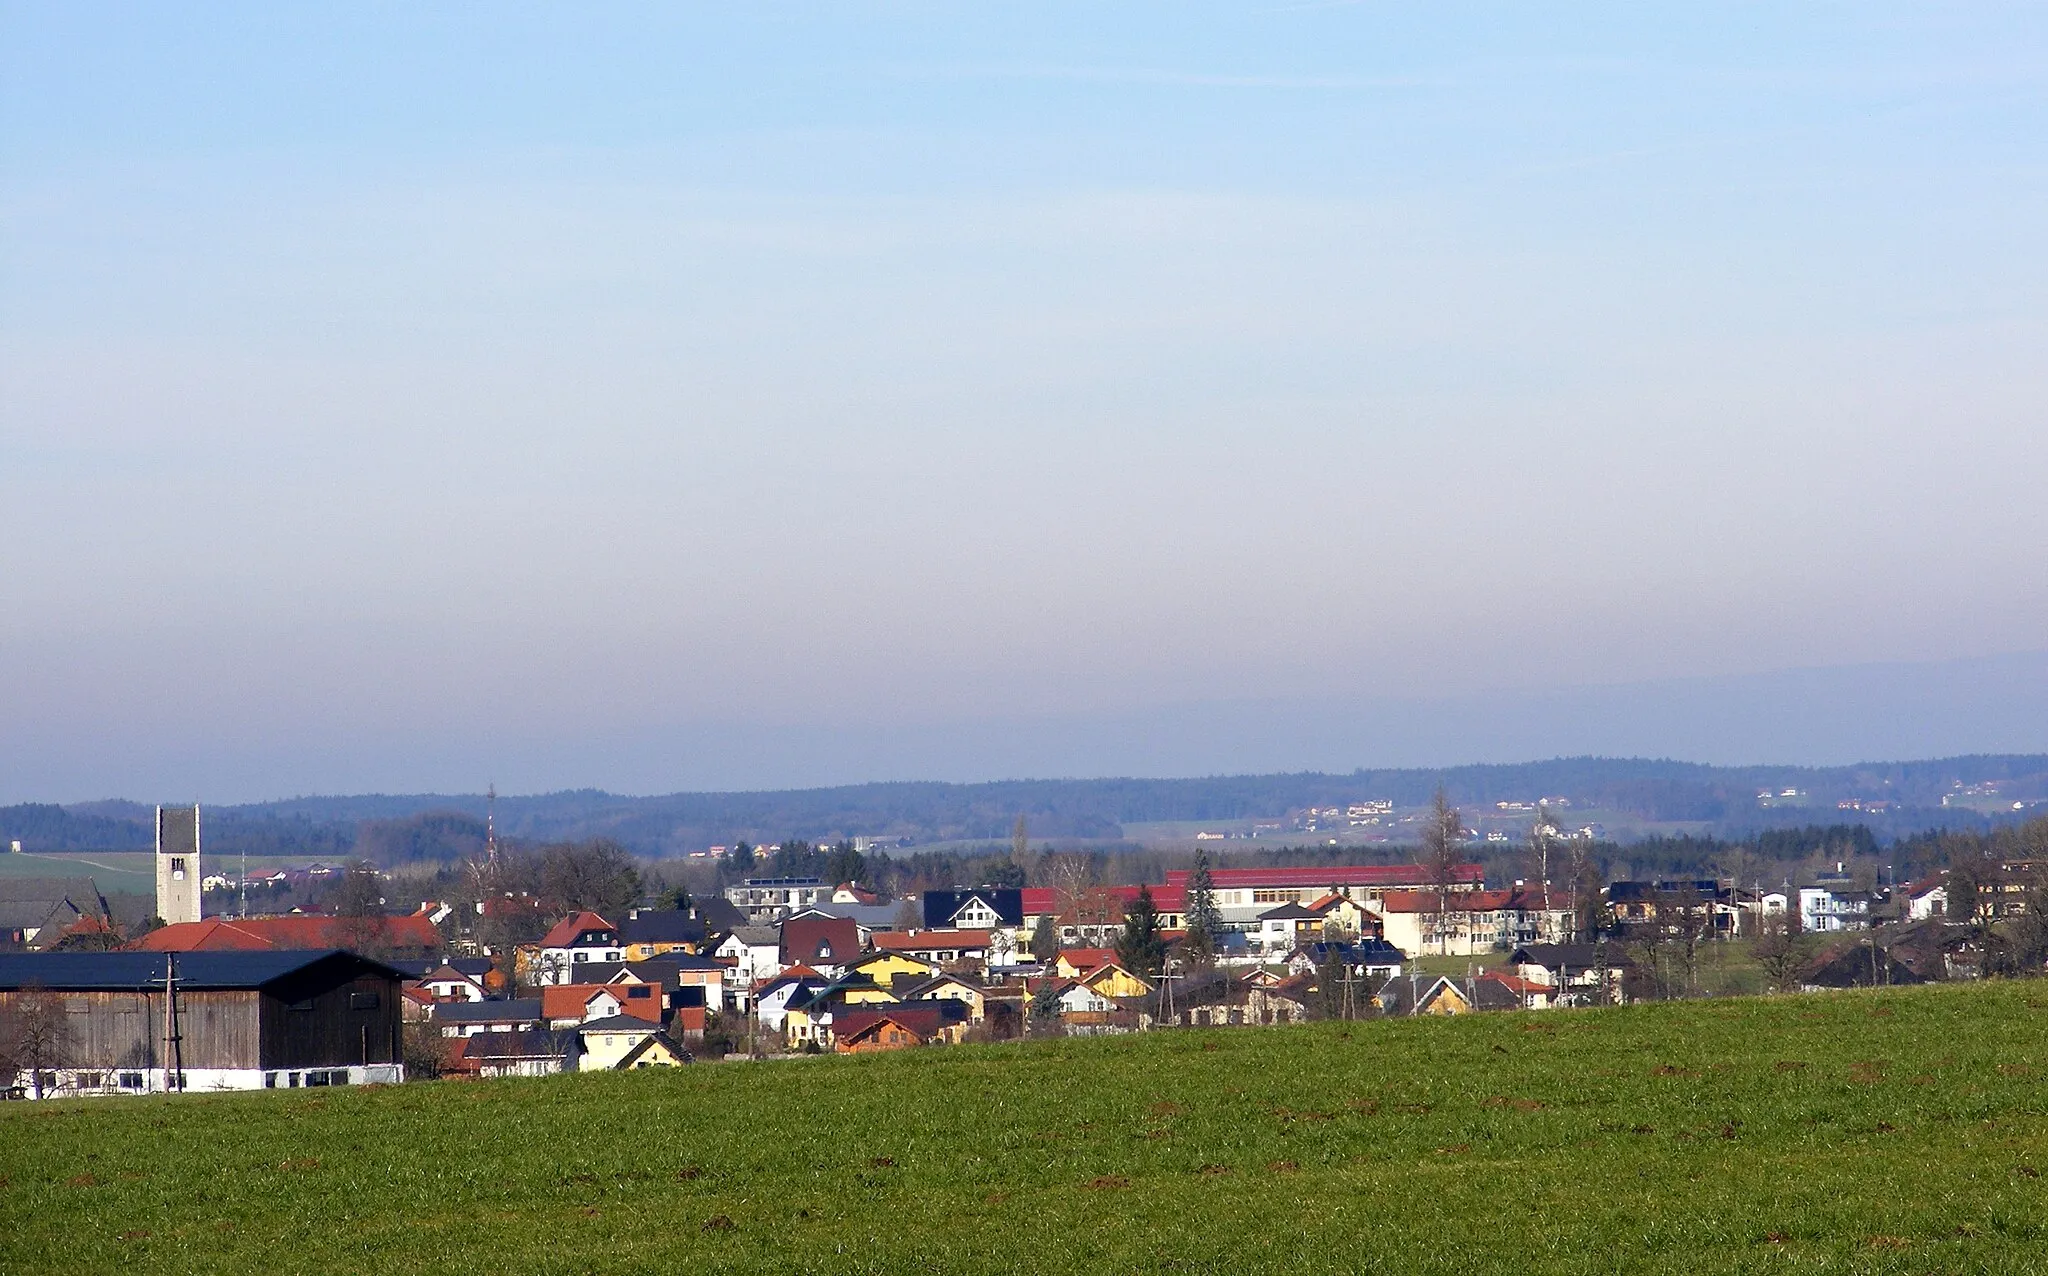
point(362, 1001)
point(579, 957)
point(178, 867)
point(131, 1081)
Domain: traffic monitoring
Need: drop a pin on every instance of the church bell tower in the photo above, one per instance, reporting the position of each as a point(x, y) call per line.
point(177, 863)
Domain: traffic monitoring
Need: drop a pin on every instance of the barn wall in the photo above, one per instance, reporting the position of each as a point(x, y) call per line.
point(125, 1029)
point(318, 1019)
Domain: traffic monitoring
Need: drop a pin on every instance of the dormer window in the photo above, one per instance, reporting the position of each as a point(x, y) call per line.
point(824, 950)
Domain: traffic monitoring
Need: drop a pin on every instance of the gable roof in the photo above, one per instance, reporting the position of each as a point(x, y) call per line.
point(656, 1040)
point(563, 933)
point(832, 941)
point(29, 902)
point(135, 971)
point(569, 1001)
point(661, 926)
point(918, 941)
point(925, 1018)
point(942, 906)
point(611, 1024)
point(296, 931)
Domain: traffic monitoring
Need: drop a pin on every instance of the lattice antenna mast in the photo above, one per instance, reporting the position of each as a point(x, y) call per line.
point(491, 825)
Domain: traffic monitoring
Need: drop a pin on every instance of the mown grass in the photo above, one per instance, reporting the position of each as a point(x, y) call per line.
point(1888, 1131)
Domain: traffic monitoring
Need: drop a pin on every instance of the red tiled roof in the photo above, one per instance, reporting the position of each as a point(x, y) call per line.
point(563, 933)
point(566, 1001)
point(1045, 899)
point(300, 931)
point(831, 940)
point(1376, 875)
point(925, 1021)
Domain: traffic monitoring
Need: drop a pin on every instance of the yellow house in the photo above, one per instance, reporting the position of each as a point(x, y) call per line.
point(1343, 915)
point(622, 1041)
point(954, 988)
point(1076, 962)
point(886, 967)
point(1112, 980)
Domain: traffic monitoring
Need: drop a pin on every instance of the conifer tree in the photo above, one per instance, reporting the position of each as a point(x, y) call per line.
point(1141, 949)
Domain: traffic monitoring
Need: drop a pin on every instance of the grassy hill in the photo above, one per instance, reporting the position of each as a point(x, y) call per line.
point(1889, 1131)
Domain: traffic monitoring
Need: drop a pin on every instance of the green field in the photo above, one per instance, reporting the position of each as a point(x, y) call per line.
point(1887, 1131)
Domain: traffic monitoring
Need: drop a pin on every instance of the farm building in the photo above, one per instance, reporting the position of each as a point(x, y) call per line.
point(100, 1023)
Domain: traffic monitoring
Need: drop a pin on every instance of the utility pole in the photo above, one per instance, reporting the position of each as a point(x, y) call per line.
point(174, 1047)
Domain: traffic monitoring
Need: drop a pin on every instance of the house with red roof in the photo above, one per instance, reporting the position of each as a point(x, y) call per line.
point(898, 1027)
point(826, 944)
point(575, 942)
point(566, 1005)
point(412, 936)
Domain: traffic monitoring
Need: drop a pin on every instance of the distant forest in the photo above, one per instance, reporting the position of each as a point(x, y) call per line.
point(1720, 802)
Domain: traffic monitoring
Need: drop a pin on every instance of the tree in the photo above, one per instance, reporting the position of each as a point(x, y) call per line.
point(597, 875)
point(1020, 843)
point(1141, 949)
point(1963, 894)
point(844, 864)
point(1045, 1008)
point(1779, 953)
point(1205, 922)
point(37, 1035)
point(738, 863)
point(1045, 939)
point(1443, 840)
point(359, 910)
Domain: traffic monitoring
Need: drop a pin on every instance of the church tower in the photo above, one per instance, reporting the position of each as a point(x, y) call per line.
point(177, 863)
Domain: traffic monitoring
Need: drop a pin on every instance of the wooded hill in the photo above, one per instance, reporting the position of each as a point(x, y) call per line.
point(1719, 801)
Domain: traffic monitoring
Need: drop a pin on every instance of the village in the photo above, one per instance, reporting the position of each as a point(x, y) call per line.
point(780, 967)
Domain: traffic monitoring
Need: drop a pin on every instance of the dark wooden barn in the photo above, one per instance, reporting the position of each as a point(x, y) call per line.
point(98, 1022)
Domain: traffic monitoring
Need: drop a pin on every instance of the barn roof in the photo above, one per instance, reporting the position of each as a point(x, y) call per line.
point(131, 971)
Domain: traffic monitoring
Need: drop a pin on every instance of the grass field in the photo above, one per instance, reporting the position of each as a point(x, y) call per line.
point(1886, 1131)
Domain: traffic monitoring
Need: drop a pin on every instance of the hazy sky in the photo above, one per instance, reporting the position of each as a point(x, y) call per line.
point(400, 397)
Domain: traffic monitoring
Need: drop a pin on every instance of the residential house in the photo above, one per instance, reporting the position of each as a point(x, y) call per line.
point(1219, 999)
point(656, 932)
point(1832, 907)
point(620, 1042)
point(941, 947)
point(983, 908)
point(1073, 963)
point(566, 1005)
point(447, 983)
point(1373, 959)
point(34, 911)
point(576, 948)
point(1927, 898)
point(754, 955)
point(793, 986)
point(900, 1026)
point(1242, 894)
point(470, 1018)
point(947, 988)
point(673, 973)
point(514, 1054)
point(1573, 972)
point(826, 944)
point(1084, 1011)
point(1473, 922)
point(1425, 995)
point(1095, 916)
point(887, 966)
point(868, 919)
point(770, 899)
point(1112, 980)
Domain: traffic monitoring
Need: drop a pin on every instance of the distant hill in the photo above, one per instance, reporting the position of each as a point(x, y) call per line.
point(1908, 797)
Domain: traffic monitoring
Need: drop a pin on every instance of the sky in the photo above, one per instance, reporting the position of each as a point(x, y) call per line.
point(405, 398)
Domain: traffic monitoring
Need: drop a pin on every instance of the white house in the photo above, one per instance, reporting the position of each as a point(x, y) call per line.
point(568, 950)
point(756, 955)
point(1826, 908)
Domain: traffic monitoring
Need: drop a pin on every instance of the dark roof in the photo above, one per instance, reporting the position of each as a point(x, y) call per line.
point(661, 926)
point(1006, 902)
point(516, 1045)
point(720, 914)
point(131, 971)
point(617, 1023)
point(1289, 912)
point(1567, 956)
point(523, 1009)
point(1359, 952)
point(29, 901)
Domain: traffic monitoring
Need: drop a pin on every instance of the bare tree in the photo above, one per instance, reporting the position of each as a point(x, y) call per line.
point(1443, 839)
point(598, 875)
point(37, 1034)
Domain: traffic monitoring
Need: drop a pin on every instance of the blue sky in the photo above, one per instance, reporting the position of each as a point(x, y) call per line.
point(399, 397)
